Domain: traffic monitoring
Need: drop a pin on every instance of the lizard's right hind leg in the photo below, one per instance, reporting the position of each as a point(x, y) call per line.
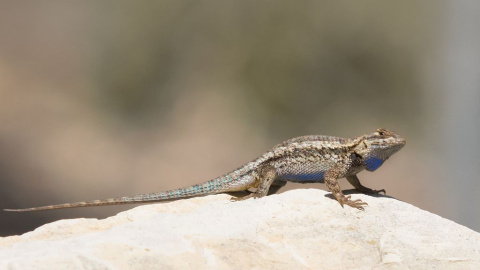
point(264, 178)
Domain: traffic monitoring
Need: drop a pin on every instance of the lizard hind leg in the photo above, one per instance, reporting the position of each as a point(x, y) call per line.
point(276, 185)
point(263, 180)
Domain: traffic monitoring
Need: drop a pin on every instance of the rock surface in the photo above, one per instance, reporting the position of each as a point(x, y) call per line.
point(299, 229)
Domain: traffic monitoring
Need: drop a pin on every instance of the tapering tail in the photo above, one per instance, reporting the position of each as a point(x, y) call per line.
point(225, 183)
point(112, 201)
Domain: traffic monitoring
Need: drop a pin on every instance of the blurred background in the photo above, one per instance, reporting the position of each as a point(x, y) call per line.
point(102, 99)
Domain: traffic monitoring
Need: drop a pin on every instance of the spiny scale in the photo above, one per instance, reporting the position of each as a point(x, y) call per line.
point(306, 159)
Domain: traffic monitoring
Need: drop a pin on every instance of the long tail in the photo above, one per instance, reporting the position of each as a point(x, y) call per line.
point(227, 183)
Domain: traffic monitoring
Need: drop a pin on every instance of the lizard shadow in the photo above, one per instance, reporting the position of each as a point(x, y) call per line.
point(328, 195)
point(354, 191)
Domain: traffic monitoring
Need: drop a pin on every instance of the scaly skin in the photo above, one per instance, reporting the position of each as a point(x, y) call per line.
point(307, 159)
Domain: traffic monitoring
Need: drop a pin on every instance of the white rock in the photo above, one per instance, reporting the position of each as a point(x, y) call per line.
point(299, 229)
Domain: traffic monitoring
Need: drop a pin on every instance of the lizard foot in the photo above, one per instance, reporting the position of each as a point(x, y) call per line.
point(372, 191)
point(252, 195)
point(355, 203)
point(366, 190)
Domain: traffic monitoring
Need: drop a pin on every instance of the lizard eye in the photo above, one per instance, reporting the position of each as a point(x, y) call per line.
point(383, 132)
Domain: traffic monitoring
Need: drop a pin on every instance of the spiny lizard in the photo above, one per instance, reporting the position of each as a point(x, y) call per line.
point(307, 159)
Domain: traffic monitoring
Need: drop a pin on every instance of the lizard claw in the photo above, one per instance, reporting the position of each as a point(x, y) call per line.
point(355, 203)
point(254, 195)
point(366, 190)
point(237, 199)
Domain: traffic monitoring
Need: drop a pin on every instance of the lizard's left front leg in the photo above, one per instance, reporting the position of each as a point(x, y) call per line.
point(264, 179)
point(331, 180)
point(353, 179)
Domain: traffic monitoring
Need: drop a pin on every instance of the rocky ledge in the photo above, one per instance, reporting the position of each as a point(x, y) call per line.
point(299, 229)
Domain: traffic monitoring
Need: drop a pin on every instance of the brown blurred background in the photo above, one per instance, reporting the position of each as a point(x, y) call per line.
point(102, 99)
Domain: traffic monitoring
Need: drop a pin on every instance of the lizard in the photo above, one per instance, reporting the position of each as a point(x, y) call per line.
point(306, 159)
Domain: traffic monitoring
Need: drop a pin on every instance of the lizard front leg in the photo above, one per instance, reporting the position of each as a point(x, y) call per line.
point(353, 179)
point(331, 180)
point(264, 178)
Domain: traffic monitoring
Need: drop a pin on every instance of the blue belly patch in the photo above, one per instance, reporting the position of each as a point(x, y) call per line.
point(373, 163)
point(305, 177)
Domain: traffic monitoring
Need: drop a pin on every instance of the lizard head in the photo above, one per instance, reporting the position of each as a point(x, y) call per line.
point(376, 147)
